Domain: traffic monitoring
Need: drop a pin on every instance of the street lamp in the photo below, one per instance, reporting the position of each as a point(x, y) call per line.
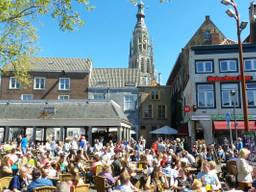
point(240, 27)
point(234, 101)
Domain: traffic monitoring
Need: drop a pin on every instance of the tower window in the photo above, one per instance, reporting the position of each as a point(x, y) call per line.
point(142, 64)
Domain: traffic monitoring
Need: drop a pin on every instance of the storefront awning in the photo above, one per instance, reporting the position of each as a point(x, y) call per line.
point(222, 125)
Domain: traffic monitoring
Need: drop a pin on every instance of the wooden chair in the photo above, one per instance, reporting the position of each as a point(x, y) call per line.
point(81, 188)
point(232, 167)
point(45, 189)
point(98, 169)
point(100, 184)
point(5, 182)
point(65, 177)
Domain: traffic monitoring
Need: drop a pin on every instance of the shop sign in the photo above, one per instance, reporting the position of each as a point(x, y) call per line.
point(228, 78)
point(223, 117)
point(187, 108)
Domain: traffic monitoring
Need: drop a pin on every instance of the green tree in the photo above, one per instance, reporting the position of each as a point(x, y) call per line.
point(17, 33)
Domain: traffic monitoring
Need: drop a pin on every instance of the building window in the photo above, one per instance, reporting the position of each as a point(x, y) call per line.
point(227, 98)
point(99, 96)
point(250, 64)
point(26, 97)
point(64, 84)
point(251, 94)
point(205, 96)
point(228, 65)
point(161, 112)
point(155, 95)
point(39, 83)
point(13, 83)
point(207, 36)
point(129, 103)
point(204, 66)
point(148, 111)
point(63, 97)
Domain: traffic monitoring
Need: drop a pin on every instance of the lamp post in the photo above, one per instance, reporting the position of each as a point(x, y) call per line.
point(240, 27)
point(233, 94)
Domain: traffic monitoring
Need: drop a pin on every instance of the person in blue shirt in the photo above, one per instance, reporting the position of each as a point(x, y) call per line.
point(24, 144)
point(239, 144)
point(37, 181)
point(19, 182)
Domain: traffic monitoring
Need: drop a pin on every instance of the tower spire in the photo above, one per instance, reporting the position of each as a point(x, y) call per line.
point(140, 14)
point(141, 54)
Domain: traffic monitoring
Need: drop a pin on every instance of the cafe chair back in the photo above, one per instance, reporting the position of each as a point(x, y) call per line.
point(100, 184)
point(45, 189)
point(81, 188)
point(5, 182)
point(65, 177)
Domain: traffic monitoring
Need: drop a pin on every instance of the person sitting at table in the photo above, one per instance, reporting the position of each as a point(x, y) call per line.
point(182, 182)
point(31, 160)
point(157, 180)
point(116, 166)
point(207, 177)
point(37, 181)
point(197, 186)
point(106, 173)
point(62, 163)
point(19, 182)
point(231, 184)
point(134, 156)
point(49, 171)
point(6, 168)
point(126, 185)
point(77, 179)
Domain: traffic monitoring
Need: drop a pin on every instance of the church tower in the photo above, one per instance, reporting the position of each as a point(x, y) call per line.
point(141, 51)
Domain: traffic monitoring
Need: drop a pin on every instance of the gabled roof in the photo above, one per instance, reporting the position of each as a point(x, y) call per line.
point(61, 113)
point(114, 77)
point(207, 24)
point(57, 64)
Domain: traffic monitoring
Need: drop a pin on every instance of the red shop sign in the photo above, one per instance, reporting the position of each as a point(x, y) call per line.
point(187, 109)
point(228, 78)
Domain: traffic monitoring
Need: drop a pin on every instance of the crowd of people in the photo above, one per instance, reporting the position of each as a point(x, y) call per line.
point(128, 166)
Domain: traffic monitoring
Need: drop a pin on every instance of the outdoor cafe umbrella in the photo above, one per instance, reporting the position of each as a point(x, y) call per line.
point(165, 130)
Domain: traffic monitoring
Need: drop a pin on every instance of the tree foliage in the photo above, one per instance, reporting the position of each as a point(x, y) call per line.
point(17, 33)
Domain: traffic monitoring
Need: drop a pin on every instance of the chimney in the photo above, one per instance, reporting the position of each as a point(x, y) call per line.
point(252, 16)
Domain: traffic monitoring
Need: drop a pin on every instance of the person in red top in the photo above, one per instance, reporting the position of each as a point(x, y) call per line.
point(164, 160)
point(154, 147)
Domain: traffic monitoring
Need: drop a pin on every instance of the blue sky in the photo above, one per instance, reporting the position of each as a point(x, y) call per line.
point(108, 29)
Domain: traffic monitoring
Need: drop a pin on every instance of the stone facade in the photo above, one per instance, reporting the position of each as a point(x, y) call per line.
point(207, 34)
point(154, 109)
point(201, 119)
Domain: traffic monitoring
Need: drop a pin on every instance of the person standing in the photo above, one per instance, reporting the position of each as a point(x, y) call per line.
point(239, 144)
point(24, 144)
point(244, 170)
